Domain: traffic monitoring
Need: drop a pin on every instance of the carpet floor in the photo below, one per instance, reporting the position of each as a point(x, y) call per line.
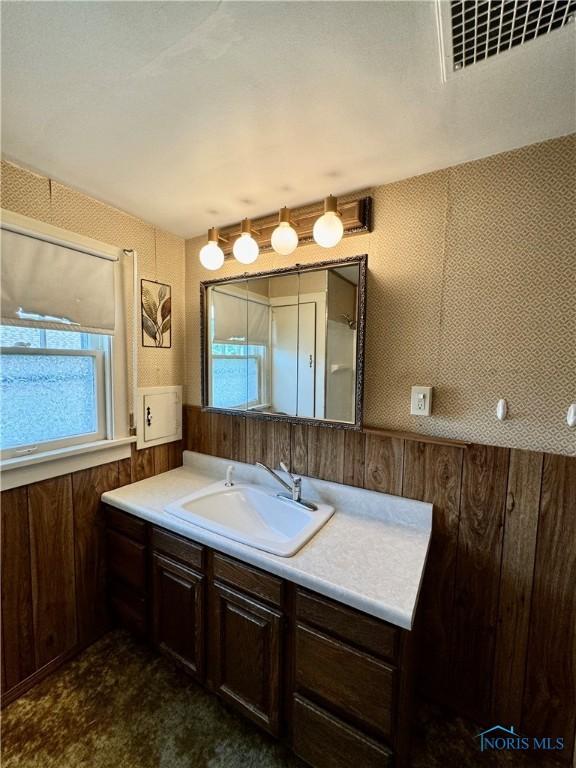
point(121, 705)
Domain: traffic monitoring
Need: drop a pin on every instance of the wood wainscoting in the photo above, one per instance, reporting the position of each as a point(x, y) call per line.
point(53, 580)
point(497, 618)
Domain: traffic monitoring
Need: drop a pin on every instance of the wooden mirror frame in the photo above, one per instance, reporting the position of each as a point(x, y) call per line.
point(362, 262)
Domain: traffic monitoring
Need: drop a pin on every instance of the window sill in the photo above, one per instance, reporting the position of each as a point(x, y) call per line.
point(23, 470)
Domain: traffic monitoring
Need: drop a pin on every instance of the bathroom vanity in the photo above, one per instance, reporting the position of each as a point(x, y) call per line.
point(315, 648)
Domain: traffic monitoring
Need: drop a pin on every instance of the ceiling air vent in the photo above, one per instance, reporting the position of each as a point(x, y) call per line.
point(480, 30)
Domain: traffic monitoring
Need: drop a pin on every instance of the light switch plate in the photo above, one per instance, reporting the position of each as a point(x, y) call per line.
point(421, 401)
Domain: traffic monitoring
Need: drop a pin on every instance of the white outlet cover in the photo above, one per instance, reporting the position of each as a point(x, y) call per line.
point(421, 401)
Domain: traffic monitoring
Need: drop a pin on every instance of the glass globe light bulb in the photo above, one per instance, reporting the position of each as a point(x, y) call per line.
point(245, 249)
point(211, 255)
point(284, 239)
point(328, 230)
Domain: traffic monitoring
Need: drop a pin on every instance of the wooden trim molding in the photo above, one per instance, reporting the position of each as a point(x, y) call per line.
point(414, 436)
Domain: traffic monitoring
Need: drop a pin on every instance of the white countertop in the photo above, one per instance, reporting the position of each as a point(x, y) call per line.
point(370, 555)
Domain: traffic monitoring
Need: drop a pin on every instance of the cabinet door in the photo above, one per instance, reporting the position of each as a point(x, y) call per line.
point(178, 613)
point(247, 648)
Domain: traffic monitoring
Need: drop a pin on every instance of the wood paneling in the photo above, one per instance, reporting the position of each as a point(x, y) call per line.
point(89, 551)
point(161, 458)
point(124, 472)
point(433, 473)
point(326, 453)
point(142, 463)
point(197, 430)
point(550, 693)
point(299, 448)
point(354, 457)
point(383, 468)
point(228, 436)
point(52, 579)
point(53, 568)
point(497, 610)
point(495, 634)
point(268, 442)
point(282, 443)
point(520, 528)
point(260, 442)
point(17, 618)
point(483, 496)
point(175, 454)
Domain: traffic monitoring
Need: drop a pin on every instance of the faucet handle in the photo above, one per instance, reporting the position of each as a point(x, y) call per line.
point(294, 478)
point(229, 473)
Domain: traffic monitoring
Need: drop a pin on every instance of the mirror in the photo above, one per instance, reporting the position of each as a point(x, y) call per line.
point(287, 344)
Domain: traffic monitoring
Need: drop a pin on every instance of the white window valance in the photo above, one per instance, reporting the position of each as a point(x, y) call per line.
point(238, 320)
point(50, 285)
point(258, 323)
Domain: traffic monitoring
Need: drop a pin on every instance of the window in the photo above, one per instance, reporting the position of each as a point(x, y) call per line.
point(52, 389)
point(238, 375)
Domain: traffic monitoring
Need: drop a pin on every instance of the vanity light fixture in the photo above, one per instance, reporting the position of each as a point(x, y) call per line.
point(245, 248)
point(211, 255)
point(328, 229)
point(284, 238)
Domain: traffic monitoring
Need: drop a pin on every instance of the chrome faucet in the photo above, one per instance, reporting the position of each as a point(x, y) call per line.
point(294, 490)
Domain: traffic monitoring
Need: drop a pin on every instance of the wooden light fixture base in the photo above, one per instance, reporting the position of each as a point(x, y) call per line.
point(356, 217)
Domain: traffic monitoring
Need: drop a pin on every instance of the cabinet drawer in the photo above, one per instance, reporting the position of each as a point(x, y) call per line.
point(323, 741)
point(127, 524)
point(181, 549)
point(358, 629)
point(126, 559)
point(350, 683)
point(248, 579)
point(128, 607)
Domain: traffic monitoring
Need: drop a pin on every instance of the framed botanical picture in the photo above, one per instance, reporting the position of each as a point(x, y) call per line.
point(156, 314)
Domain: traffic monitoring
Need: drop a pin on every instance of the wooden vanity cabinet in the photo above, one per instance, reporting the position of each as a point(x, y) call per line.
point(347, 685)
point(126, 557)
point(246, 634)
point(247, 645)
point(178, 600)
point(332, 680)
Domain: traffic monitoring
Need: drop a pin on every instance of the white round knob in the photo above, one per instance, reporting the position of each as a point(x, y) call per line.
point(571, 416)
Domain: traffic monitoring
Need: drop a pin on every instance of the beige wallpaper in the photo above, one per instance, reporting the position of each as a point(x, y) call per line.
point(472, 288)
point(160, 254)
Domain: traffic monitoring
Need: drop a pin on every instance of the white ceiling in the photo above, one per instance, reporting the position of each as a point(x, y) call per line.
point(193, 114)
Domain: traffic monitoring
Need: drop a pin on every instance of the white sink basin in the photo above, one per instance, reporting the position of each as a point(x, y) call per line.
point(252, 516)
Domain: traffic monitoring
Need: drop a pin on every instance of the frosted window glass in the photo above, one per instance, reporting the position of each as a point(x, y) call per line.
point(65, 340)
point(14, 335)
point(46, 397)
point(235, 381)
point(38, 338)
